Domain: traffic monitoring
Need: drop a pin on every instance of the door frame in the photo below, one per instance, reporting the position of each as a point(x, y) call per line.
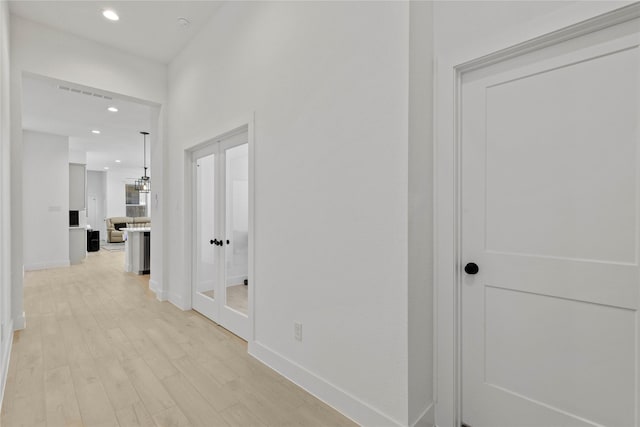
point(244, 124)
point(570, 22)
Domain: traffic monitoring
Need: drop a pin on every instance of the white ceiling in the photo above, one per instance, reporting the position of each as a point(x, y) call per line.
point(47, 108)
point(148, 29)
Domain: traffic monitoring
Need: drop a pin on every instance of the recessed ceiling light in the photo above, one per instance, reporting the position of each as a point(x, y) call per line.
point(110, 15)
point(118, 161)
point(113, 109)
point(106, 167)
point(95, 131)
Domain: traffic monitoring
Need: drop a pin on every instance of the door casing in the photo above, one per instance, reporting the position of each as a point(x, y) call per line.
point(576, 21)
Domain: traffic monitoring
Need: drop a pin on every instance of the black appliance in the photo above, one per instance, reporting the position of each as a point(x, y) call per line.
point(93, 240)
point(74, 219)
point(146, 258)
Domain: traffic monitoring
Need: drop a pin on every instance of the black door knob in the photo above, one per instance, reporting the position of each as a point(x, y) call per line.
point(228, 242)
point(213, 242)
point(471, 268)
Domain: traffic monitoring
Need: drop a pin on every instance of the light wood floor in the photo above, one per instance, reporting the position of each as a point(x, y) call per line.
point(100, 350)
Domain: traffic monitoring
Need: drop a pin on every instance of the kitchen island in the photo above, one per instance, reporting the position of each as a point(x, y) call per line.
point(137, 250)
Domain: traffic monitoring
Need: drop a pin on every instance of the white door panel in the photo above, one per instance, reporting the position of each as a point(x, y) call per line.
point(550, 189)
point(558, 358)
point(546, 143)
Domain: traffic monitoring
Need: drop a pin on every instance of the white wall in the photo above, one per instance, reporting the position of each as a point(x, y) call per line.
point(465, 29)
point(420, 263)
point(42, 50)
point(328, 83)
point(97, 189)
point(46, 51)
point(77, 188)
point(6, 323)
point(46, 200)
point(116, 180)
point(77, 156)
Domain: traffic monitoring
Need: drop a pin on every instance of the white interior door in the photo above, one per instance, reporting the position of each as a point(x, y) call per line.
point(220, 288)
point(205, 293)
point(550, 196)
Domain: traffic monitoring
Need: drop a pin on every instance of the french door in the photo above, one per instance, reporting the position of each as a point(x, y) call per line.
point(220, 288)
point(551, 235)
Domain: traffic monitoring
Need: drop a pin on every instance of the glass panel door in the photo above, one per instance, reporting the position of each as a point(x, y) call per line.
point(235, 281)
point(221, 279)
point(206, 242)
point(237, 228)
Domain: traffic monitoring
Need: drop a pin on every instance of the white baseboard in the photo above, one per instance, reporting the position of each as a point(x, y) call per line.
point(427, 418)
point(6, 357)
point(156, 288)
point(45, 265)
point(343, 402)
point(178, 301)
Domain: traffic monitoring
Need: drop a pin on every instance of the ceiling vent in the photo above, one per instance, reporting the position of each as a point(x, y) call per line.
point(83, 92)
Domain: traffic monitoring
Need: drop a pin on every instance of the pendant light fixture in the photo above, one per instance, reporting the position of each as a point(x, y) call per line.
point(143, 185)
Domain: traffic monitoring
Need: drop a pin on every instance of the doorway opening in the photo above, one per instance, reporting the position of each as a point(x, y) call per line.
point(82, 150)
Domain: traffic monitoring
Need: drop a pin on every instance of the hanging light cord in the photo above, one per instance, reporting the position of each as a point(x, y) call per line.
point(144, 137)
point(144, 160)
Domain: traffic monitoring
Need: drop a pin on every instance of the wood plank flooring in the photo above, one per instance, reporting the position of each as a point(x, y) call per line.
point(100, 350)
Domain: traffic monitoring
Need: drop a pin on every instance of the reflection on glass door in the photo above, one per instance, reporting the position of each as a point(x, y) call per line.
point(205, 230)
point(237, 228)
point(221, 233)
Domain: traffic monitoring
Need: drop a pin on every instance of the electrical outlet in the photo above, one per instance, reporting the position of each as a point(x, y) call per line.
point(297, 331)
